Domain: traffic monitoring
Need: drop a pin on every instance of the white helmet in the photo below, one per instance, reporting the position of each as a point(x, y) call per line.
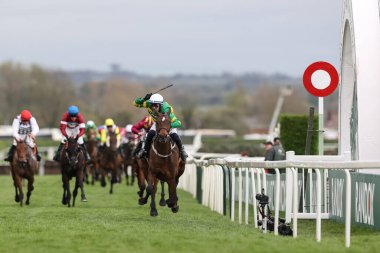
point(90, 123)
point(128, 128)
point(156, 99)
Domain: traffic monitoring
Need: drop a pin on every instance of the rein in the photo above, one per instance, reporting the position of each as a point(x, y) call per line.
point(161, 155)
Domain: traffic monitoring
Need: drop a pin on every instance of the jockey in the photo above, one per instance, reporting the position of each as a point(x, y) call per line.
point(129, 136)
point(155, 103)
point(24, 127)
point(110, 127)
point(72, 125)
point(90, 125)
point(142, 127)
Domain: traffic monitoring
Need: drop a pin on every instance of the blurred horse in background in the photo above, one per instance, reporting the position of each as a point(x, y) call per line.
point(110, 162)
point(23, 165)
point(92, 148)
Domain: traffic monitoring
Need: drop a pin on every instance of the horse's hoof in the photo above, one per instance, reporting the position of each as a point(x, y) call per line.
point(103, 184)
point(27, 203)
point(162, 202)
point(175, 209)
point(169, 203)
point(64, 202)
point(17, 199)
point(153, 213)
point(111, 192)
point(83, 199)
point(142, 201)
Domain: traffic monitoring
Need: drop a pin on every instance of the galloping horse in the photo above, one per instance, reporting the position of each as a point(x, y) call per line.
point(110, 162)
point(72, 165)
point(128, 160)
point(141, 166)
point(92, 147)
point(23, 165)
point(164, 164)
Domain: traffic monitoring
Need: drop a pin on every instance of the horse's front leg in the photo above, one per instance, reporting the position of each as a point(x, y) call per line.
point(30, 189)
point(19, 186)
point(17, 197)
point(113, 179)
point(151, 190)
point(66, 190)
point(162, 200)
point(172, 202)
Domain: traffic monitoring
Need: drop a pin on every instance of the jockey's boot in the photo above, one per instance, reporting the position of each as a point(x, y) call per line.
point(86, 155)
point(144, 152)
point(57, 156)
point(137, 149)
point(177, 140)
point(10, 154)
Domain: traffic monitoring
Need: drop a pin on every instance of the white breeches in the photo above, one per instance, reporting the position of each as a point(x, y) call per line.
point(29, 141)
point(172, 130)
point(73, 132)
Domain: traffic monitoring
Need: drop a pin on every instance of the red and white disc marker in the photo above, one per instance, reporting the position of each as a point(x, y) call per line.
point(320, 79)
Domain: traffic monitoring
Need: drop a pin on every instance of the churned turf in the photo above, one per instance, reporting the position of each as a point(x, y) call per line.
point(115, 223)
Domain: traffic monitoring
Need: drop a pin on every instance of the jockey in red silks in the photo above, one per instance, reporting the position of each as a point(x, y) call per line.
point(24, 128)
point(140, 129)
point(72, 125)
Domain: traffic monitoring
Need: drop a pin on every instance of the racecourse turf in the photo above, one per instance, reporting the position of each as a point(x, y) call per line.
point(116, 223)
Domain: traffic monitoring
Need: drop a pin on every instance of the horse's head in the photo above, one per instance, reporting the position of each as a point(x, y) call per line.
point(163, 126)
point(113, 141)
point(91, 134)
point(22, 152)
point(72, 151)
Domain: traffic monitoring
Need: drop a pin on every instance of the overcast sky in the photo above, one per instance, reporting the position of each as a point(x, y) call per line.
point(171, 36)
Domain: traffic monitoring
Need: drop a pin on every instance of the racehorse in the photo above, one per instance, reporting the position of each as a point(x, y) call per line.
point(23, 165)
point(128, 160)
point(110, 162)
point(93, 167)
point(164, 164)
point(141, 166)
point(72, 165)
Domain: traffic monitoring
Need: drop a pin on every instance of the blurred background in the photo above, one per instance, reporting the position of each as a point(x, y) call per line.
point(228, 60)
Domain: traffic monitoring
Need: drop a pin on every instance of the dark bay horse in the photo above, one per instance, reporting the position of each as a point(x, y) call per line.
point(128, 160)
point(92, 148)
point(164, 164)
point(23, 165)
point(141, 166)
point(110, 162)
point(72, 165)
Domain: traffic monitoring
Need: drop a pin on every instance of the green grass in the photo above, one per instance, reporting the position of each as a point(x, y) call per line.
point(115, 223)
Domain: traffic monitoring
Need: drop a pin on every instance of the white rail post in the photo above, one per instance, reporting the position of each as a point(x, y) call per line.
point(232, 194)
point(289, 189)
point(254, 198)
point(295, 201)
point(265, 221)
point(240, 184)
point(246, 195)
point(348, 209)
point(277, 202)
point(319, 204)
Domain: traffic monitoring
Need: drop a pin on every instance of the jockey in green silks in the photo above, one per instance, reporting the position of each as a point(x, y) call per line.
point(155, 103)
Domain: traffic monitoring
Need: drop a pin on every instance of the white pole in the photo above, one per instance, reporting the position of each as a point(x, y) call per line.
point(319, 203)
point(277, 202)
point(246, 195)
point(348, 209)
point(254, 197)
point(320, 123)
point(232, 194)
point(295, 201)
point(240, 196)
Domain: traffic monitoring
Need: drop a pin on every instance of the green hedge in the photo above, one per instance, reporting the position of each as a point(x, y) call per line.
point(293, 129)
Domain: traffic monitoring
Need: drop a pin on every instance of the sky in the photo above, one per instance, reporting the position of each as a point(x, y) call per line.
point(172, 36)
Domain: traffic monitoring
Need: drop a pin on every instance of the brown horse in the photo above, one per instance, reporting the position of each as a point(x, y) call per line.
point(128, 160)
point(110, 162)
point(93, 167)
point(164, 164)
point(23, 165)
point(72, 165)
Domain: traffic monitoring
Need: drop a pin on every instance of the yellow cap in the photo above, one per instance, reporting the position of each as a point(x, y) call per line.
point(109, 122)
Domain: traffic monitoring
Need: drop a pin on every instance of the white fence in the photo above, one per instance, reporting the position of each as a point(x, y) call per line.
point(223, 169)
